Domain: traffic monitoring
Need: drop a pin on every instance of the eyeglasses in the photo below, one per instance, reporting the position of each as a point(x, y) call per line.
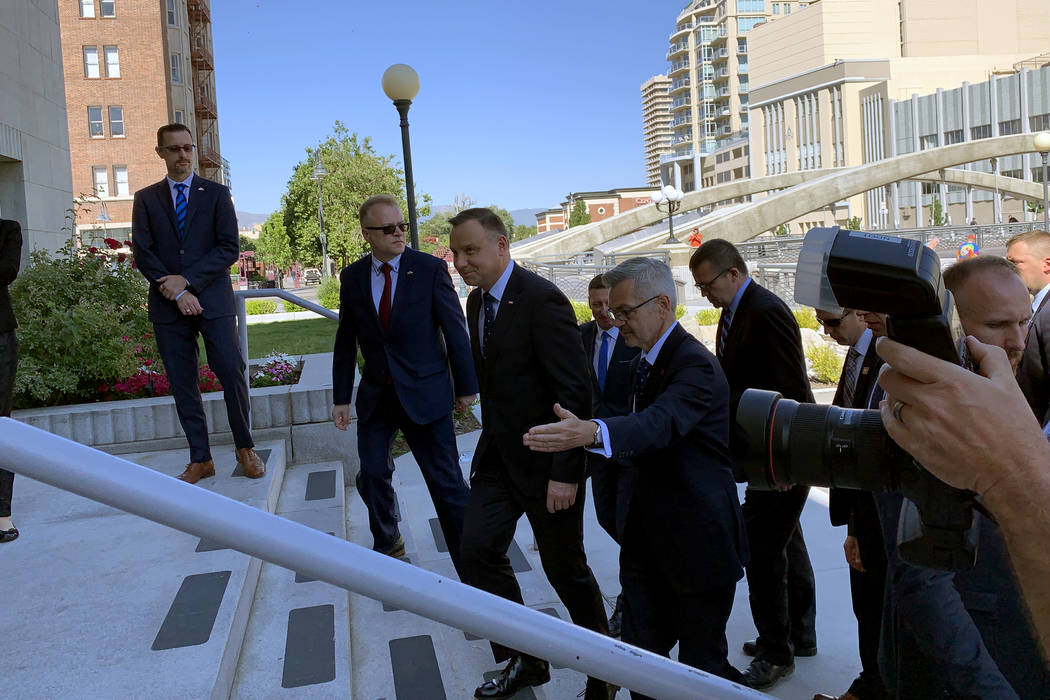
point(175, 149)
point(389, 228)
point(625, 314)
point(833, 322)
point(704, 286)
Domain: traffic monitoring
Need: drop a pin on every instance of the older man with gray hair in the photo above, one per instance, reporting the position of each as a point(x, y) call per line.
point(684, 546)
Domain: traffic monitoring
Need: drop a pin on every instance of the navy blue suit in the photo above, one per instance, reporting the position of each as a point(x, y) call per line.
point(684, 545)
point(413, 371)
point(610, 479)
point(203, 255)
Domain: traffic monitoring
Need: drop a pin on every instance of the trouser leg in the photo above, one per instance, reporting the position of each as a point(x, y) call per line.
point(222, 345)
point(177, 343)
point(8, 367)
point(375, 437)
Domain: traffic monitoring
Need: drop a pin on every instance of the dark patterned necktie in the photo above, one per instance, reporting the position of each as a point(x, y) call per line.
point(641, 376)
point(723, 334)
point(490, 321)
point(180, 208)
point(849, 377)
point(384, 300)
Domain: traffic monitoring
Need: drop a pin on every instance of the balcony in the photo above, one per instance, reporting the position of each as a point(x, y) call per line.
point(679, 102)
point(677, 155)
point(208, 157)
point(722, 74)
point(201, 56)
point(679, 66)
point(680, 84)
point(682, 119)
point(722, 92)
point(681, 139)
point(741, 69)
point(204, 105)
point(198, 11)
point(677, 47)
point(719, 53)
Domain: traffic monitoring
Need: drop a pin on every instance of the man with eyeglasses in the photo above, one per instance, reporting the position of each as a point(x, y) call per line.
point(184, 237)
point(399, 306)
point(683, 544)
point(759, 346)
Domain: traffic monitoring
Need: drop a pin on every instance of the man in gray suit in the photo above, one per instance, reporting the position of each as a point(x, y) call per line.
point(1030, 252)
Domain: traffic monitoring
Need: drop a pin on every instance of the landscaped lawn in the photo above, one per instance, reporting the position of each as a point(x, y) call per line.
point(305, 337)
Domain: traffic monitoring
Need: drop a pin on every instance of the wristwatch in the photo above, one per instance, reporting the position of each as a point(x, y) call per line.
point(597, 444)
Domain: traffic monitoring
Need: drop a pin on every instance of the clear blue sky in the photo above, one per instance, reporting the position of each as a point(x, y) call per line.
point(519, 104)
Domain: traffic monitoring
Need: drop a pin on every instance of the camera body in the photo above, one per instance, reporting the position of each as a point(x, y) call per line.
point(787, 443)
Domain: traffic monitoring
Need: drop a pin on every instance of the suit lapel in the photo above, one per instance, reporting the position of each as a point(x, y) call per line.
point(505, 311)
point(473, 312)
point(163, 193)
point(404, 279)
point(197, 192)
point(364, 282)
point(740, 319)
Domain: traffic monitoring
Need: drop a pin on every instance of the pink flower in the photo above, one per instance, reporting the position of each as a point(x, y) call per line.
point(147, 362)
point(111, 243)
point(125, 338)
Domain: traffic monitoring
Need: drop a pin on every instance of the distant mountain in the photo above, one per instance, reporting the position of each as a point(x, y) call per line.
point(525, 217)
point(247, 219)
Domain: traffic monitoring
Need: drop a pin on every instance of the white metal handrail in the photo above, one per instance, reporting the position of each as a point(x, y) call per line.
point(149, 494)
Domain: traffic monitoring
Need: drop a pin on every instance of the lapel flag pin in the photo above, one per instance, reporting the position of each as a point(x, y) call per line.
point(409, 272)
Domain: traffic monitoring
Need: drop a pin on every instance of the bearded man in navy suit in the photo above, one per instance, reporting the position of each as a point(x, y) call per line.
point(399, 306)
point(184, 236)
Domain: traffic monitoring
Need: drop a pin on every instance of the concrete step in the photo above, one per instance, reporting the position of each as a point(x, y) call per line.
point(102, 604)
point(297, 644)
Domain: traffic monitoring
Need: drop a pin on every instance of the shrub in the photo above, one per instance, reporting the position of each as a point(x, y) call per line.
point(824, 363)
point(582, 311)
point(255, 307)
point(679, 311)
point(81, 314)
point(328, 293)
point(708, 317)
point(807, 318)
point(289, 307)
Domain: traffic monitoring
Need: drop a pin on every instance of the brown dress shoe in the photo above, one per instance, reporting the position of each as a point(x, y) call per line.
point(195, 471)
point(251, 464)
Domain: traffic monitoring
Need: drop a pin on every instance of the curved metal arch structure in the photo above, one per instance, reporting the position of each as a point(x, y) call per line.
point(802, 192)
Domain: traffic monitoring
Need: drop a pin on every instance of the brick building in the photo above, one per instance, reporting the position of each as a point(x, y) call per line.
point(600, 205)
point(130, 67)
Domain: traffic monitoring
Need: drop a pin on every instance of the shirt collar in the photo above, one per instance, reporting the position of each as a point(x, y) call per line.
point(1039, 298)
point(613, 332)
point(654, 351)
point(736, 297)
point(172, 183)
point(861, 346)
point(501, 284)
point(377, 264)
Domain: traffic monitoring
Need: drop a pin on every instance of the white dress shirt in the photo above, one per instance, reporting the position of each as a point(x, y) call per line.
point(379, 280)
point(1039, 298)
point(614, 333)
point(175, 193)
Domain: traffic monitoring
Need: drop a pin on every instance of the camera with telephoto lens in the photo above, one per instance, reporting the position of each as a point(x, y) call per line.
point(786, 443)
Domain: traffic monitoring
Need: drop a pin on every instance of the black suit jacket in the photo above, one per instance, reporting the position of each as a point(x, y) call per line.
point(424, 352)
point(1032, 373)
point(535, 359)
point(10, 259)
point(763, 351)
point(615, 399)
point(203, 256)
point(678, 441)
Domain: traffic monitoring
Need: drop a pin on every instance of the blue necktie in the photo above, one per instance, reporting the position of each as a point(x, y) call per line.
point(180, 208)
point(603, 360)
point(490, 320)
point(727, 318)
point(641, 376)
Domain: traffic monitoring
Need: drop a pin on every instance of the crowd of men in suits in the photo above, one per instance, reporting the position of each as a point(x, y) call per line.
point(636, 403)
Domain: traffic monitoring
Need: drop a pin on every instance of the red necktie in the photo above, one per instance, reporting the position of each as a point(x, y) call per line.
point(384, 301)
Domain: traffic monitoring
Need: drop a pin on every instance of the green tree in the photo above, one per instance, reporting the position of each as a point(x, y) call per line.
point(248, 244)
point(439, 226)
point(521, 232)
point(355, 173)
point(937, 217)
point(854, 223)
point(579, 215)
point(274, 245)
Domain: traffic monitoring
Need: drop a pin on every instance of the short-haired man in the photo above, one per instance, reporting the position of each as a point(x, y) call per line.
point(528, 356)
point(399, 306)
point(759, 346)
point(683, 544)
point(611, 396)
point(856, 509)
point(1030, 252)
point(184, 236)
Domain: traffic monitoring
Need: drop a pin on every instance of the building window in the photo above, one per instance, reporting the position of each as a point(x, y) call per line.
point(180, 116)
point(746, 24)
point(787, 8)
point(112, 61)
point(776, 8)
point(91, 62)
point(928, 141)
point(120, 180)
point(108, 8)
point(955, 136)
point(1012, 126)
point(1013, 173)
point(176, 68)
point(116, 121)
point(1040, 122)
point(984, 131)
point(601, 210)
point(750, 5)
point(741, 45)
point(87, 8)
point(100, 179)
point(173, 14)
point(95, 129)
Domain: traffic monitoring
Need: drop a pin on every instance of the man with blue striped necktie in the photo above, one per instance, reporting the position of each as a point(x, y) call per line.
point(184, 236)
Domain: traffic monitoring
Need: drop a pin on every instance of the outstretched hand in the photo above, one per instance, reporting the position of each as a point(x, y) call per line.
point(567, 433)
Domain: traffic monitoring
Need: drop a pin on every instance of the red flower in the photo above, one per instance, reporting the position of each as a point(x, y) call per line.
point(92, 250)
point(147, 362)
point(133, 265)
point(125, 338)
point(127, 243)
point(112, 243)
point(121, 257)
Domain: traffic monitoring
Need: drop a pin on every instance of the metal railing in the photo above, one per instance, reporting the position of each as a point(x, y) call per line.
point(149, 494)
point(572, 273)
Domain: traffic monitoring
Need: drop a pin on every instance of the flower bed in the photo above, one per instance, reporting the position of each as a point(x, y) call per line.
point(278, 369)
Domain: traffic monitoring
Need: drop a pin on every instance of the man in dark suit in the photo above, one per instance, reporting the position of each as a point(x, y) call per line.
point(760, 347)
point(10, 259)
point(1030, 252)
point(684, 545)
point(399, 305)
point(611, 396)
point(856, 509)
point(528, 356)
point(184, 236)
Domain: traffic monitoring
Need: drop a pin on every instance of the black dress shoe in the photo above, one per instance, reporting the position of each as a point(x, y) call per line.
point(9, 535)
point(751, 648)
point(520, 672)
point(762, 674)
point(616, 621)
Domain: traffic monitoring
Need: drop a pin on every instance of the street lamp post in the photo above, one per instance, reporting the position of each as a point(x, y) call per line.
point(319, 173)
point(401, 84)
point(671, 197)
point(1042, 144)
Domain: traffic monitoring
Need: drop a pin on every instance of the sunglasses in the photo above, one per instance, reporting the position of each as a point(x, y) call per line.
point(389, 228)
point(833, 322)
point(176, 149)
